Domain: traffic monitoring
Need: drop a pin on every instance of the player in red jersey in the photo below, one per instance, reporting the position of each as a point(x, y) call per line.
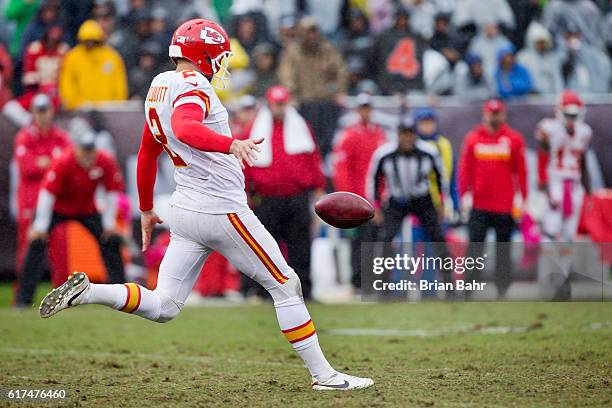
point(36, 145)
point(67, 193)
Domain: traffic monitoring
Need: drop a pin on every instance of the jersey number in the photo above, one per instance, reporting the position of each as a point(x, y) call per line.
point(403, 59)
point(160, 136)
point(573, 166)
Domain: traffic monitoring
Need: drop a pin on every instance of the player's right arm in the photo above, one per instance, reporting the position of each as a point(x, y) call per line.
point(146, 173)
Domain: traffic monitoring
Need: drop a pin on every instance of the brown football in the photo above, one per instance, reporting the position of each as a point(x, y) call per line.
point(344, 210)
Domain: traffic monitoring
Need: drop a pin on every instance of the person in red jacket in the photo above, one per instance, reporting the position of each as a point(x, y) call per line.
point(41, 63)
point(492, 168)
point(352, 156)
point(283, 177)
point(36, 145)
point(68, 193)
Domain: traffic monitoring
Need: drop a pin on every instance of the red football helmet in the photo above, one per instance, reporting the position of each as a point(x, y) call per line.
point(207, 45)
point(570, 105)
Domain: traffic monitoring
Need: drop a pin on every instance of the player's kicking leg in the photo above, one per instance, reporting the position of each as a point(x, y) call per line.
point(177, 274)
point(245, 242)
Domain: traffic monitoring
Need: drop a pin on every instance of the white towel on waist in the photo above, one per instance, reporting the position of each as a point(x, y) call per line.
point(296, 135)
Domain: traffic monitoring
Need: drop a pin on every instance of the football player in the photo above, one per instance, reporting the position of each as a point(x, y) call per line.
point(209, 211)
point(563, 144)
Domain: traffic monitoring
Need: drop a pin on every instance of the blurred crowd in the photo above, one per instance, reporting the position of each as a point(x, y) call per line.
point(87, 51)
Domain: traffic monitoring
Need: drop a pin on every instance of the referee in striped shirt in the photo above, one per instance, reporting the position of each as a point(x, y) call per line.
point(401, 170)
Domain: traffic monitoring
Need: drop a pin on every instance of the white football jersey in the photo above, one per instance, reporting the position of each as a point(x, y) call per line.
point(207, 182)
point(566, 151)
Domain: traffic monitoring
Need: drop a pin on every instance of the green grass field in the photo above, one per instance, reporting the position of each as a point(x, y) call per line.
point(421, 355)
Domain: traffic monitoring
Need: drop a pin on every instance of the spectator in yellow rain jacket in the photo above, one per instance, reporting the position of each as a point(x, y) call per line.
point(92, 72)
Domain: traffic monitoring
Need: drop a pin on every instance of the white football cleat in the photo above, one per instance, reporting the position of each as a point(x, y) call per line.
point(342, 382)
point(67, 295)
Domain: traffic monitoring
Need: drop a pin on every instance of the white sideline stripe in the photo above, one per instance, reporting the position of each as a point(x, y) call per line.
point(145, 356)
point(601, 325)
point(423, 332)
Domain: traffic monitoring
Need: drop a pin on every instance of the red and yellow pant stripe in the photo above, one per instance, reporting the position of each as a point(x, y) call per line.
point(256, 248)
point(301, 332)
point(133, 298)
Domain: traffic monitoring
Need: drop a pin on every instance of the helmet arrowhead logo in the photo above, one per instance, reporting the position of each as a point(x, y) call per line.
point(211, 36)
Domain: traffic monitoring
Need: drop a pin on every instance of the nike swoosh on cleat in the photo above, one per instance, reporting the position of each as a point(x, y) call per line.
point(75, 296)
point(345, 385)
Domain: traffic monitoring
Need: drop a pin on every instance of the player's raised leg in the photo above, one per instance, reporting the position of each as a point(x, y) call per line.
point(178, 272)
point(245, 242)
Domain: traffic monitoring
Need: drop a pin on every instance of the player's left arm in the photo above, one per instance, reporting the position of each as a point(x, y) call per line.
point(187, 126)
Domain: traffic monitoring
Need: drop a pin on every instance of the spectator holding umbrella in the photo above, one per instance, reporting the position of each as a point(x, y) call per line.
point(283, 177)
